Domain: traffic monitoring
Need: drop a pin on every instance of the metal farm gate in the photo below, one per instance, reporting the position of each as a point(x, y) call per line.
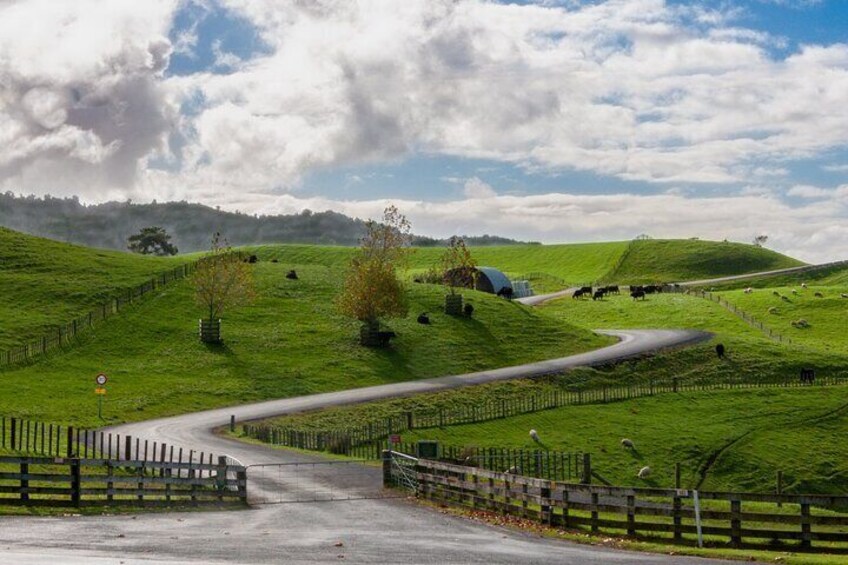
point(325, 481)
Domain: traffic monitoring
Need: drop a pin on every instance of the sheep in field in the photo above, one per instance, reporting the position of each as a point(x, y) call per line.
point(819, 295)
point(627, 444)
point(785, 299)
point(843, 295)
point(514, 470)
point(644, 473)
point(749, 290)
point(775, 293)
point(795, 292)
point(535, 436)
point(803, 285)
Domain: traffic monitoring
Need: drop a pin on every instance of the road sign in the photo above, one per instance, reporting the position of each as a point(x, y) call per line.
point(101, 379)
point(394, 438)
point(100, 390)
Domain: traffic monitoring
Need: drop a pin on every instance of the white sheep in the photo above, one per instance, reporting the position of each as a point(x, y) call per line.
point(843, 295)
point(749, 290)
point(644, 473)
point(795, 292)
point(514, 470)
point(628, 444)
point(535, 436)
point(803, 285)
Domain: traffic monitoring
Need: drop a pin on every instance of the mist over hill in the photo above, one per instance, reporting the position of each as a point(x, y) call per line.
point(191, 225)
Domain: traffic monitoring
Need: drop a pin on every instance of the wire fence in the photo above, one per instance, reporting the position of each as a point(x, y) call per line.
point(66, 333)
point(745, 316)
point(368, 439)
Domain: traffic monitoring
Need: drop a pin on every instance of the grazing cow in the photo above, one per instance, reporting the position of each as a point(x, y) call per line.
point(586, 289)
point(274, 261)
point(636, 288)
point(599, 295)
point(577, 293)
point(384, 337)
point(506, 292)
point(613, 289)
point(720, 350)
point(819, 295)
point(292, 275)
point(423, 318)
point(650, 289)
point(252, 259)
point(637, 294)
point(808, 375)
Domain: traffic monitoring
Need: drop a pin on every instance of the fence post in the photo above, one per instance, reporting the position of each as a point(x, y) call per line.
point(674, 384)
point(736, 522)
point(232, 423)
point(24, 480)
point(806, 537)
point(779, 486)
point(676, 506)
point(631, 515)
point(587, 469)
point(70, 448)
point(75, 482)
point(677, 475)
point(127, 448)
point(14, 423)
point(221, 476)
point(387, 467)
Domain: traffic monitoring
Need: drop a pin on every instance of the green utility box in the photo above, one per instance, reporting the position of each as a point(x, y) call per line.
point(428, 449)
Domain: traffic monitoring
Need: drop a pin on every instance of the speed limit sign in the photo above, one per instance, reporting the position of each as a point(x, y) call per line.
point(101, 379)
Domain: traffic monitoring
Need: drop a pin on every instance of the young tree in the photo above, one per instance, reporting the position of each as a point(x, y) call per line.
point(222, 281)
point(372, 289)
point(153, 240)
point(760, 240)
point(458, 271)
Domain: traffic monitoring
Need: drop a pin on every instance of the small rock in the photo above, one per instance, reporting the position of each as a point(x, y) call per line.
point(339, 544)
point(121, 536)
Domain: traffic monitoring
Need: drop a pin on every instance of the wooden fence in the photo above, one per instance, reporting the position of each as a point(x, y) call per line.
point(53, 440)
point(65, 334)
point(77, 482)
point(673, 515)
point(746, 316)
point(368, 436)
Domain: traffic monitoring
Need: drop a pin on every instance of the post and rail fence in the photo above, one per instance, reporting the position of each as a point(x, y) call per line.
point(676, 516)
point(79, 482)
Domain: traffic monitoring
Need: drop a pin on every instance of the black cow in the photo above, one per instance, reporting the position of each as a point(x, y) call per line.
point(292, 275)
point(423, 318)
point(384, 337)
point(468, 309)
point(506, 292)
point(252, 259)
point(613, 289)
point(586, 289)
point(577, 293)
point(637, 294)
point(720, 350)
point(598, 295)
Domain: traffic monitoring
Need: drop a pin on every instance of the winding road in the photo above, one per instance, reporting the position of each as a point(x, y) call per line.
point(370, 531)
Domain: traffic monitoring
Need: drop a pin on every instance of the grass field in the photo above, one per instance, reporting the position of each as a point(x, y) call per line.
point(826, 315)
point(674, 260)
point(289, 342)
point(751, 434)
point(44, 283)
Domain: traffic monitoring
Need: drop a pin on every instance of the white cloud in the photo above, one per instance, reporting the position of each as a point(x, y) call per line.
point(808, 191)
point(474, 188)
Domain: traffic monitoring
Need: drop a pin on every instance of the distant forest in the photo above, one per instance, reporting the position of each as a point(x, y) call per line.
point(190, 225)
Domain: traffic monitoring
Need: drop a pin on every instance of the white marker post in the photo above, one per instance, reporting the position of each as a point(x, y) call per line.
point(100, 391)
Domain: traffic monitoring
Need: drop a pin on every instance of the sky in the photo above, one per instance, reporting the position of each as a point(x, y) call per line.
point(552, 121)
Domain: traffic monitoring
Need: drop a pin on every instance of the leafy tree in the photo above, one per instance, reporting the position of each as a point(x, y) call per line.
point(372, 289)
point(458, 266)
point(153, 240)
point(760, 240)
point(222, 280)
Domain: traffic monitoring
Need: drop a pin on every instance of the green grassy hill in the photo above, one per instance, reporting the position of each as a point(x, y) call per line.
point(44, 283)
point(658, 260)
point(289, 342)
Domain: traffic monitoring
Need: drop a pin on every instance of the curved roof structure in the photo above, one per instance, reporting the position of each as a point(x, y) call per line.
point(492, 280)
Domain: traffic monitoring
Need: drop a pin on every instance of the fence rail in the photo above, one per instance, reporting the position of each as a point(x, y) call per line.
point(65, 333)
point(745, 316)
point(367, 440)
point(78, 482)
point(678, 516)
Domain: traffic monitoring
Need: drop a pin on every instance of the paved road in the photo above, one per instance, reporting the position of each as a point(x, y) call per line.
point(371, 531)
point(764, 274)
